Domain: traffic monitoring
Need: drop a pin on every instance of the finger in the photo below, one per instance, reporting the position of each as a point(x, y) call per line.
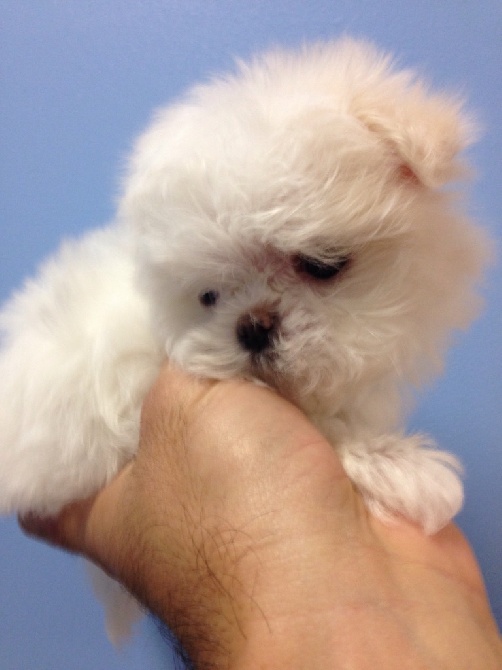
point(66, 530)
point(85, 526)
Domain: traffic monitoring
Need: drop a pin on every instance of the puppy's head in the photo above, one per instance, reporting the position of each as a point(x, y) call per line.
point(292, 225)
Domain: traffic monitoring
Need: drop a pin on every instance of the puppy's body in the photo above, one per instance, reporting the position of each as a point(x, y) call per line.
point(78, 358)
point(287, 224)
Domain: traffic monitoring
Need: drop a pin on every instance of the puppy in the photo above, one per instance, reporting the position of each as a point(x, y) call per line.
point(288, 224)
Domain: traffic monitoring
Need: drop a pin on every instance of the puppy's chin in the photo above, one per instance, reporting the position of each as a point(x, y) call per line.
point(304, 390)
point(309, 381)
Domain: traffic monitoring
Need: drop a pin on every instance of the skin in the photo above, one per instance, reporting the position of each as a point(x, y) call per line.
point(237, 526)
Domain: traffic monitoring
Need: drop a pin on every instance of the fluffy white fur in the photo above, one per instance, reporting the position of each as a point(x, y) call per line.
point(328, 153)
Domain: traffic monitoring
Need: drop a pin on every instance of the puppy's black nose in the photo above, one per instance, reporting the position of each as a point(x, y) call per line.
point(255, 330)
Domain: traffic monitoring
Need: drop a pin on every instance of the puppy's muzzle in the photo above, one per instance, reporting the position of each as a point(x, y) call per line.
point(255, 331)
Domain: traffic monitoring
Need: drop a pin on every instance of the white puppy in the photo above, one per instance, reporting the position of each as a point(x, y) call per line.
point(287, 224)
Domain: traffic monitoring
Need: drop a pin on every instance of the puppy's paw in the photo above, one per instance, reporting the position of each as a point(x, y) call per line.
point(405, 476)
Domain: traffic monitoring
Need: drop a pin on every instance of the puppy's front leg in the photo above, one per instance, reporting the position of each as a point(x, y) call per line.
point(405, 475)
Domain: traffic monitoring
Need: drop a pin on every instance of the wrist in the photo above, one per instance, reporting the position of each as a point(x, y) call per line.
point(252, 604)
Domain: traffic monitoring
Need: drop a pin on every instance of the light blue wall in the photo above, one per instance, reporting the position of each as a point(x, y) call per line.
point(78, 81)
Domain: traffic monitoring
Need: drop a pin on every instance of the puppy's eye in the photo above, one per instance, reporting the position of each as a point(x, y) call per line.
point(319, 269)
point(209, 298)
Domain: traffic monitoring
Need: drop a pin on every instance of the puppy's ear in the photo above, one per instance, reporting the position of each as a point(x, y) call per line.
point(424, 133)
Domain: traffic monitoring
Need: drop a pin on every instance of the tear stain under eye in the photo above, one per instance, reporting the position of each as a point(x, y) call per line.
point(271, 264)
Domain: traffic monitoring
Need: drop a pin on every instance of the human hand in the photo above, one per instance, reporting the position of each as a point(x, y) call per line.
point(236, 524)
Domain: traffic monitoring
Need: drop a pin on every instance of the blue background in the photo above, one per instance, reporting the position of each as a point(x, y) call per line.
point(78, 81)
